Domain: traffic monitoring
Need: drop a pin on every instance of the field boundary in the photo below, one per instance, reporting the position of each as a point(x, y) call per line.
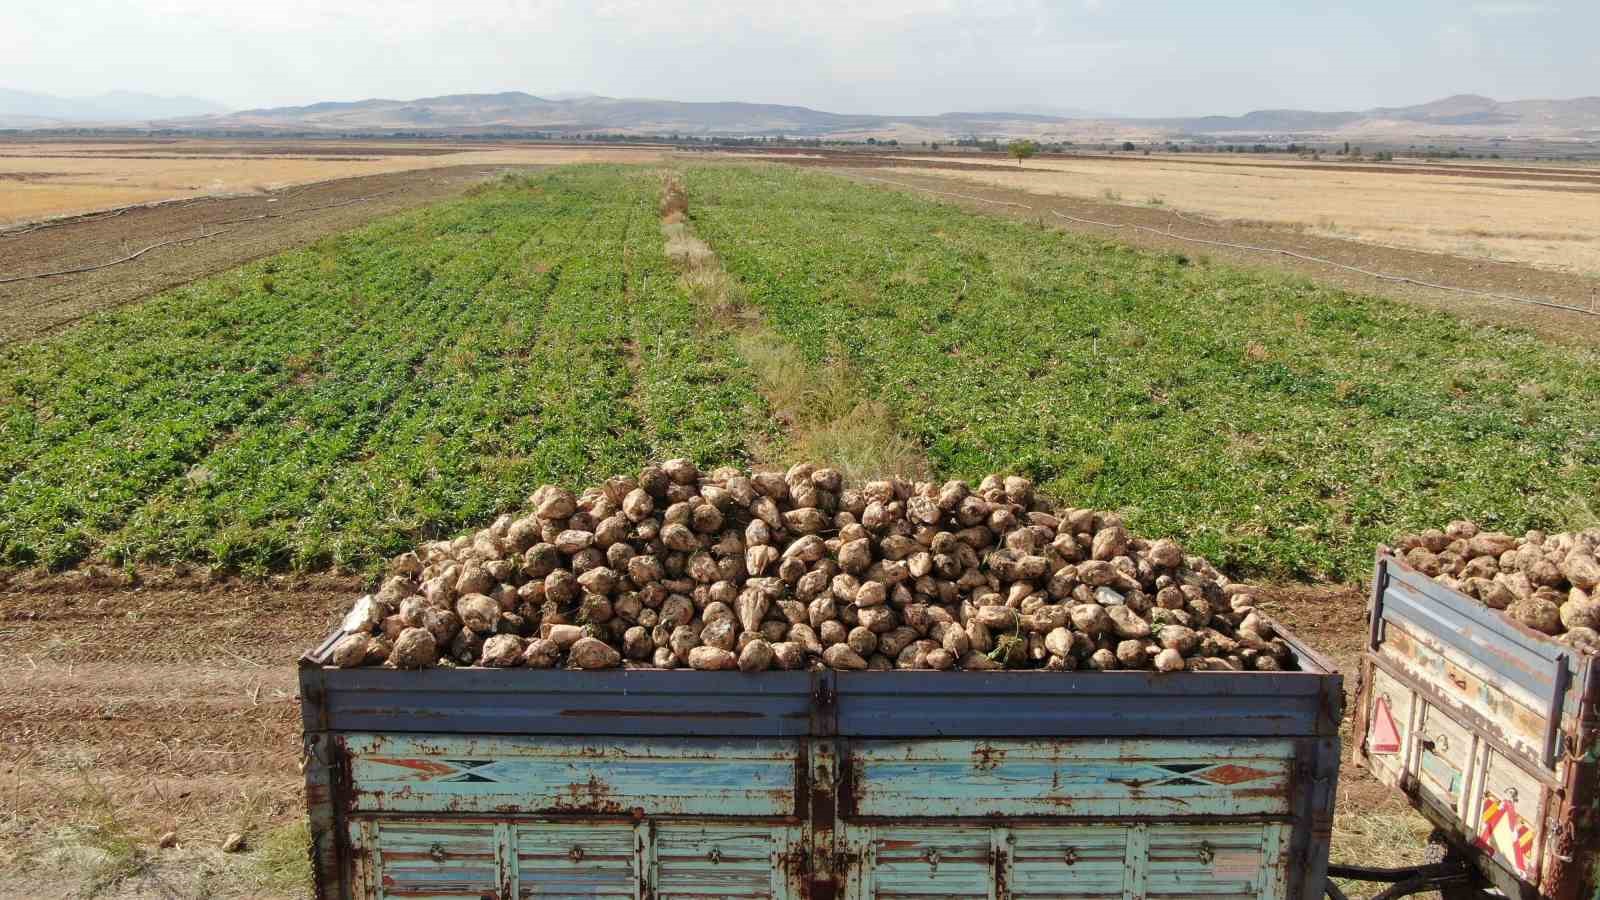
point(1383, 276)
point(216, 233)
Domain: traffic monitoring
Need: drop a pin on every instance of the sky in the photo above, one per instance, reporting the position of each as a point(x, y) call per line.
point(903, 57)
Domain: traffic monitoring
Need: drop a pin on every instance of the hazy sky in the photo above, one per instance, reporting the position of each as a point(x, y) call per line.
point(1132, 57)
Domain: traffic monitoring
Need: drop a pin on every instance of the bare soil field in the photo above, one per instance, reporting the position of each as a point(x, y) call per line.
point(1537, 215)
point(45, 179)
point(130, 710)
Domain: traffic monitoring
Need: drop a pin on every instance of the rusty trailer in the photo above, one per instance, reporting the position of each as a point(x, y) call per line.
point(1490, 729)
point(507, 784)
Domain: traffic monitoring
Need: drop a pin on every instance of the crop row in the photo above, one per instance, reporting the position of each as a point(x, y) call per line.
point(1277, 427)
point(338, 403)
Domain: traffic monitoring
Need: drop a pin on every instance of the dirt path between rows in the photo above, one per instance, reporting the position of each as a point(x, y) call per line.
point(298, 216)
point(1482, 275)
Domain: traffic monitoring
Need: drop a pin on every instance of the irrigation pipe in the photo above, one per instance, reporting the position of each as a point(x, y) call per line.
point(1382, 276)
point(114, 262)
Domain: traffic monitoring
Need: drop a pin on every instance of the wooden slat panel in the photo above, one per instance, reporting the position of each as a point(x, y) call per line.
point(1443, 759)
point(1068, 862)
point(1510, 797)
point(1388, 767)
point(1466, 684)
point(436, 859)
point(1091, 777)
point(573, 860)
point(448, 773)
point(716, 860)
point(912, 861)
point(1210, 862)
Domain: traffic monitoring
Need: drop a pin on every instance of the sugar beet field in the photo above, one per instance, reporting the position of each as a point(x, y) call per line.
point(333, 405)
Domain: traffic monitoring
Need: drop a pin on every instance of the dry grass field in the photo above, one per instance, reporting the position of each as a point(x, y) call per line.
point(1536, 214)
point(1521, 214)
point(45, 179)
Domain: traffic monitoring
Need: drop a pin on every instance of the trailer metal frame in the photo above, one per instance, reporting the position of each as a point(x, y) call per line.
point(832, 712)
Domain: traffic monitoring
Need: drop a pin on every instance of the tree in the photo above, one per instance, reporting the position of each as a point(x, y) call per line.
point(1022, 150)
point(1128, 146)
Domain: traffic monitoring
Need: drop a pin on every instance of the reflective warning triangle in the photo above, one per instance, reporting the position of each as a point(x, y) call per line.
point(1505, 833)
point(1384, 737)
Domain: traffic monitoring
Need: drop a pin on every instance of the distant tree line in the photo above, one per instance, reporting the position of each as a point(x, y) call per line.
point(1197, 143)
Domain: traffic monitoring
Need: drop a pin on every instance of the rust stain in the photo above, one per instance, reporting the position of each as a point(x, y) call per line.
point(986, 757)
point(1233, 774)
point(427, 767)
point(593, 795)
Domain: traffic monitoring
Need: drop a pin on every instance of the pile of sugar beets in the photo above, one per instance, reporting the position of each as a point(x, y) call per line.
point(793, 570)
point(1548, 582)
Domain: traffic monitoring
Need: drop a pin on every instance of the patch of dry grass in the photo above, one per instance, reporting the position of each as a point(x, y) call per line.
point(58, 179)
point(1546, 224)
point(1387, 835)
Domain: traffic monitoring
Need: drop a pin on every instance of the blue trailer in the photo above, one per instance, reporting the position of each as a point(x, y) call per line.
point(1492, 731)
point(642, 783)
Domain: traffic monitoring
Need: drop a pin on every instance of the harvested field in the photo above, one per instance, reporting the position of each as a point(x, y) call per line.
point(1523, 214)
point(112, 736)
point(88, 176)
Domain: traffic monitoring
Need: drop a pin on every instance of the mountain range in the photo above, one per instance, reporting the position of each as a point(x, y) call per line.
point(30, 110)
point(577, 113)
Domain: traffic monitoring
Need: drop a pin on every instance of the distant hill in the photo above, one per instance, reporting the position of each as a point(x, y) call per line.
point(508, 112)
point(110, 107)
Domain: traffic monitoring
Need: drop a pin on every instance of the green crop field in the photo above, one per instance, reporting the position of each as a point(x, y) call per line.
point(338, 403)
point(1280, 428)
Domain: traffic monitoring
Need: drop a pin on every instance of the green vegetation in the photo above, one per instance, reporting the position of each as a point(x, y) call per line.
point(1281, 428)
point(337, 404)
point(283, 862)
point(1021, 150)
